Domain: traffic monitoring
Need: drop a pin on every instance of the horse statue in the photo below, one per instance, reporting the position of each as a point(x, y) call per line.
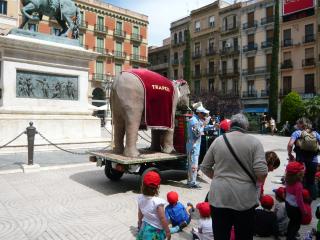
point(64, 11)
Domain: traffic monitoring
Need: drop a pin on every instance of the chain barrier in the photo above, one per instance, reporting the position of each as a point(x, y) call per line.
point(145, 133)
point(108, 130)
point(149, 141)
point(13, 140)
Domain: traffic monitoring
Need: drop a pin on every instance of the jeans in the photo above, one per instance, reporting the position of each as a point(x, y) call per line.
point(224, 218)
point(309, 178)
point(295, 216)
point(193, 159)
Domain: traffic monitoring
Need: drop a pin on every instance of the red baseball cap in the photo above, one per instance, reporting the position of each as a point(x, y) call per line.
point(294, 167)
point(172, 197)
point(318, 175)
point(204, 209)
point(267, 202)
point(305, 194)
point(152, 179)
point(280, 192)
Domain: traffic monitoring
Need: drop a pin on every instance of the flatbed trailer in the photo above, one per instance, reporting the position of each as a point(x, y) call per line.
point(116, 164)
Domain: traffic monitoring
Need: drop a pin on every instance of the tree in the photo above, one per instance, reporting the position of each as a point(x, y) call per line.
point(274, 74)
point(187, 56)
point(291, 108)
point(312, 110)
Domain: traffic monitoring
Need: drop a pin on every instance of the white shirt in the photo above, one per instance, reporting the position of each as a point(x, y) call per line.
point(148, 206)
point(206, 226)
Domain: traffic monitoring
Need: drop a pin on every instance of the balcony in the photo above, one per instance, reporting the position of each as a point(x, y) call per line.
point(99, 77)
point(103, 51)
point(250, 94)
point(250, 47)
point(158, 66)
point(287, 43)
point(267, 44)
point(100, 29)
point(196, 54)
point(211, 52)
point(229, 72)
point(196, 74)
point(287, 64)
point(228, 94)
point(210, 72)
point(308, 62)
point(174, 61)
point(230, 29)
point(177, 43)
point(305, 93)
point(310, 38)
point(138, 58)
point(136, 37)
point(250, 25)
point(264, 93)
point(230, 50)
point(119, 55)
point(267, 20)
point(83, 25)
point(119, 33)
point(255, 71)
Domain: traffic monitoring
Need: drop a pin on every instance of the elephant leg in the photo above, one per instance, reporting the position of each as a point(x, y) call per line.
point(119, 131)
point(155, 141)
point(167, 141)
point(132, 128)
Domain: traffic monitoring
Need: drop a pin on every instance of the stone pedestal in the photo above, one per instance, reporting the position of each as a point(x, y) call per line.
point(47, 83)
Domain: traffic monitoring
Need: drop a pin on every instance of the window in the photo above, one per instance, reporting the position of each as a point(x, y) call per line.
point(3, 7)
point(118, 46)
point(197, 25)
point(235, 65)
point(165, 58)
point(251, 19)
point(286, 56)
point(175, 38)
point(100, 23)
point(197, 87)
point(309, 29)
point(309, 84)
point(309, 53)
point(119, 26)
point(175, 74)
point(251, 88)
point(56, 31)
point(270, 35)
point(100, 44)
point(211, 67)
point(180, 37)
point(211, 84)
point(175, 56)
point(235, 86)
point(32, 27)
point(235, 44)
point(118, 69)
point(269, 12)
point(81, 39)
point(251, 64)
point(269, 61)
point(197, 70)
point(211, 21)
point(224, 67)
point(135, 30)
point(250, 39)
point(225, 22)
point(224, 86)
point(211, 44)
point(81, 15)
point(136, 51)
point(197, 49)
point(99, 67)
point(287, 38)
point(287, 83)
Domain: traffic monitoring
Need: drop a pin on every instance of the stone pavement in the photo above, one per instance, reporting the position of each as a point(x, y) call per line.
point(81, 203)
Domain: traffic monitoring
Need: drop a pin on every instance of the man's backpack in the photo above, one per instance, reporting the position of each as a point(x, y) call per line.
point(308, 142)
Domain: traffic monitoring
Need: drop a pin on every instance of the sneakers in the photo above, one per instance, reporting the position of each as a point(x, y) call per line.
point(183, 225)
point(194, 186)
point(191, 206)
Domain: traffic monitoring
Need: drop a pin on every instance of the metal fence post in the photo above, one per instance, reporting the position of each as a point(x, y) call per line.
point(31, 132)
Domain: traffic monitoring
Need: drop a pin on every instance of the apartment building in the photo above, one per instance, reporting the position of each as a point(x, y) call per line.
point(119, 35)
point(229, 51)
point(257, 23)
point(159, 58)
point(298, 34)
point(8, 15)
point(178, 31)
point(205, 36)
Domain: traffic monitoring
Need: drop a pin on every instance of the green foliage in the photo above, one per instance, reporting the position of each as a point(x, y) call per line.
point(312, 110)
point(274, 74)
point(187, 57)
point(291, 108)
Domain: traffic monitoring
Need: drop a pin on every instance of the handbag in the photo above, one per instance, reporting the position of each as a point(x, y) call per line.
point(238, 160)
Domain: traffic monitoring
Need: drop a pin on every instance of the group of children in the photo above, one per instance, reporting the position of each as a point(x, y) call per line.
point(283, 218)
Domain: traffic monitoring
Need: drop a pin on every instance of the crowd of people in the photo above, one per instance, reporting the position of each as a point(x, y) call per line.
point(236, 206)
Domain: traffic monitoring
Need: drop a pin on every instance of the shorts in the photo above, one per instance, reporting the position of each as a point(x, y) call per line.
point(148, 232)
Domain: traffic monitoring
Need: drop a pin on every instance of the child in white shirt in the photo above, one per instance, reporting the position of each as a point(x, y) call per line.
point(204, 230)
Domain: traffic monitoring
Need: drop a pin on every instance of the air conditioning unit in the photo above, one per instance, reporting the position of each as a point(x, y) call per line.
point(228, 45)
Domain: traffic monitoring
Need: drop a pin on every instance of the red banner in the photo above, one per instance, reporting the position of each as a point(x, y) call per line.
point(293, 6)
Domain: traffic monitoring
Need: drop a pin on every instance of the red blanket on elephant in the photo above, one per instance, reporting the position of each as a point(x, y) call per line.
point(159, 94)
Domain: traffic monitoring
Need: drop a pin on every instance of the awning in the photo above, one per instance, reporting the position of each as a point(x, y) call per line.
point(255, 110)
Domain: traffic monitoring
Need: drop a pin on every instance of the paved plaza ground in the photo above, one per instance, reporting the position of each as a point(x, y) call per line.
point(81, 203)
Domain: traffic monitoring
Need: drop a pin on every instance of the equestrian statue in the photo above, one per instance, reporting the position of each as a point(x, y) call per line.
point(64, 11)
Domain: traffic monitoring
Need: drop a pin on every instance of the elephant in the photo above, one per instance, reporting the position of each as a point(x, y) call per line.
point(64, 11)
point(127, 106)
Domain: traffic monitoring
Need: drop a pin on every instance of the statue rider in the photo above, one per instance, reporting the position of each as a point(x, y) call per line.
point(196, 127)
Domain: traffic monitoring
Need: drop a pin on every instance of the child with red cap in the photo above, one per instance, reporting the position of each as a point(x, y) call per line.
point(152, 223)
point(204, 230)
point(280, 210)
point(266, 224)
point(307, 218)
point(294, 198)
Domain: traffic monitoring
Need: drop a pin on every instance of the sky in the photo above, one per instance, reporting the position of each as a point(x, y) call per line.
point(161, 13)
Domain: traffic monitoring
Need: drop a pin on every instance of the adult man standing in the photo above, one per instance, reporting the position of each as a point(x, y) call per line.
point(233, 192)
point(196, 127)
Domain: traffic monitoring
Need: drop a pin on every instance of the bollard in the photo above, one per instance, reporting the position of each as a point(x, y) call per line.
point(31, 132)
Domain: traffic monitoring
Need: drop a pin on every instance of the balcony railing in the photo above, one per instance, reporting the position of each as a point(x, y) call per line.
point(119, 54)
point(264, 93)
point(83, 24)
point(196, 74)
point(100, 28)
point(158, 66)
point(255, 71)
point(266, 44)
point(99, 77)
point(308, 62)
point(138, 58)
point(287, 42)
point(250, 25)
point(210, 72)
point(250, 47)
point(230, 28)
point(267, 20)
point(175, 61)
point(305, 93)
point(229, 72)
point(211, 51)
point(177, 43)
point(287, 64)
point(136, 37)
point(103, 51)
point(228, 93)
point(250, 94)
point(230, 50)
point(196, 54)
point(119, 33)
point(309, 38)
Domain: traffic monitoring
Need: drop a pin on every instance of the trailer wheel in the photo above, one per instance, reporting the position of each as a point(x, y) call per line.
point(111, 173)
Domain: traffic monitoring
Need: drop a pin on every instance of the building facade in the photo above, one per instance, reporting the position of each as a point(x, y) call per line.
point(8, 15)
point(257, 23)
point(159, 58)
